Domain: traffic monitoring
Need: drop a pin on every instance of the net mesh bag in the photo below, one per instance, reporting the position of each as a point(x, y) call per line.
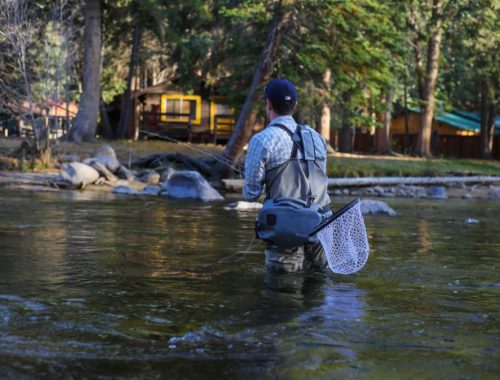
point(345, 241)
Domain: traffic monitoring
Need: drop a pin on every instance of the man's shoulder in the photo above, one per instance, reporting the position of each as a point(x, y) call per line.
point(266, 134)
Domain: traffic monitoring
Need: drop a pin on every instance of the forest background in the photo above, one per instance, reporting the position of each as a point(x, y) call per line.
point(355, 62)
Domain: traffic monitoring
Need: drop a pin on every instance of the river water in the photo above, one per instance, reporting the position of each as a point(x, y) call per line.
point(95, 286)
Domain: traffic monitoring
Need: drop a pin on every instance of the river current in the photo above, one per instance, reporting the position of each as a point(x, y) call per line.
point(114, 286)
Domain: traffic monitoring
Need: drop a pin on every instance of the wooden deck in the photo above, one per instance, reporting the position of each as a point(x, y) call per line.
point(184, 129)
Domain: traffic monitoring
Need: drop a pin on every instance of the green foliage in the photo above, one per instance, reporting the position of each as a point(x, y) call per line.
point(470, 63)
point(211, 47)
point(37, 42)
point(358, 41)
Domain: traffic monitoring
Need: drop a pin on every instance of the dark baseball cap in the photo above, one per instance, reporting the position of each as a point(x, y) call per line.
point(280, 90)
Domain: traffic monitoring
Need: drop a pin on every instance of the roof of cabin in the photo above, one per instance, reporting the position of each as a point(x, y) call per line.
point(476, 117)
point(463, 120)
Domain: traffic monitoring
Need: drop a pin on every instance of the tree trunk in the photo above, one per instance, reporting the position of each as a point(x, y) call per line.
point(491, 131)
point(406, 148)
point(487, 131)
point(423, 147)
point(105, 125)
point(85, 125)
point(483, 112)
point(417, 48)
point(383, 134)
point(127, 101)
point(244, 125)
point(326, 112)
point(346, 138)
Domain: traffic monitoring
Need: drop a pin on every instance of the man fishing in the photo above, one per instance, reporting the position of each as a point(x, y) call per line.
point(275, 158)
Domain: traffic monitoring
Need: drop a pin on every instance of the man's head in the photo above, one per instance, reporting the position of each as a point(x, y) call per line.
point(281, 97)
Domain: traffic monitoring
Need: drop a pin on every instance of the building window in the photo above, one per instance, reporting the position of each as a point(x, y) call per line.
point(221, 115)
point(178, 108)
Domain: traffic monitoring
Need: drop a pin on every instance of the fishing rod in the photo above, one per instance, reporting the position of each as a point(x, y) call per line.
point(218, 157)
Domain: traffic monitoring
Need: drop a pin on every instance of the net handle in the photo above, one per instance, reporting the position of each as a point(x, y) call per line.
point(335, 216)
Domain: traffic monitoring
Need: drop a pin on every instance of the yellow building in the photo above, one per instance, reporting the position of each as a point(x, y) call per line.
point(167, 111)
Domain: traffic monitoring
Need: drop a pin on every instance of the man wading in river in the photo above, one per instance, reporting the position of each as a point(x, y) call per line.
point(276, 161)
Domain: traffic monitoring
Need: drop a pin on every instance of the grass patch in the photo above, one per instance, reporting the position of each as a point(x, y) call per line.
point(127, 150)
point(377, 166)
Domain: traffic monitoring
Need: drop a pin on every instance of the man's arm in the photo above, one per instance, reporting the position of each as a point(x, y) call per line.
point(255, 164)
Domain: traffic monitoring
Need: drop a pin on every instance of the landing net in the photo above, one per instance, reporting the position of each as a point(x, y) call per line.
point(344, 239)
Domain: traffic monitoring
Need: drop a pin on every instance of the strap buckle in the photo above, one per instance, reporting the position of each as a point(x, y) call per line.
point(310, 199)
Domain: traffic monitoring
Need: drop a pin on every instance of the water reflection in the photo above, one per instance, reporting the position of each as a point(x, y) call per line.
point(423, 237)
point(136, 287)
point(331, 328)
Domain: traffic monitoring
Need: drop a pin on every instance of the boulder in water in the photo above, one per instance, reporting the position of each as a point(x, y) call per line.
point(111, 163)
point(369, 206)
point(105, 151)
point(494, 192)
point(151, 190)
point(150, 177)
point(79, 174)
point(124, 190)
point(243, 206)
point(103, 171)
point(191, 185)
point(437, 192)
point(125, 173)
point(166, 174)
point(471, 221)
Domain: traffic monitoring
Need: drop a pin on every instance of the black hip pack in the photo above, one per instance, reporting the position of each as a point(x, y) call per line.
point(286, 222)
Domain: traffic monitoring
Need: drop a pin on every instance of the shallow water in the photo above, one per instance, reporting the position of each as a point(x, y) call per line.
point(94, 285)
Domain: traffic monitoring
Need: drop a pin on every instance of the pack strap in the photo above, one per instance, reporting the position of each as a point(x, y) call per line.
point(298, 144)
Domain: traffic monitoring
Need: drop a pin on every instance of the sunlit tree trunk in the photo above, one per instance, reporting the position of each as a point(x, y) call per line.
point(346, 135)
point(487, 128)
point(244, 124)
point(382, 134)
point(326, 112)
point(491, 130)
point(85, 125)
point(423, 147)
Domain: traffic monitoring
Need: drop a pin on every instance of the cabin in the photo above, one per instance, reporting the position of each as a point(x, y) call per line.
point(166, 111)
point(454, 134)
point(57, 115)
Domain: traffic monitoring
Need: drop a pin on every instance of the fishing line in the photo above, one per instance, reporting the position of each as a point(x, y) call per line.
point(242, 254)
point(223, 160)
point(220, 158)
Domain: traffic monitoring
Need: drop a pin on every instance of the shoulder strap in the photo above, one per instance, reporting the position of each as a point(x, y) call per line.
point(306, 148)
point(296, 144)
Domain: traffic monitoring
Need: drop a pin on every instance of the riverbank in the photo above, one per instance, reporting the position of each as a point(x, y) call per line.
point(437, 178)
point(340, 165)
point(460, 187)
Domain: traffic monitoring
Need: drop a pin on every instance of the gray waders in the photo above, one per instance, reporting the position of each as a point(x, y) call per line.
point(305, 179)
